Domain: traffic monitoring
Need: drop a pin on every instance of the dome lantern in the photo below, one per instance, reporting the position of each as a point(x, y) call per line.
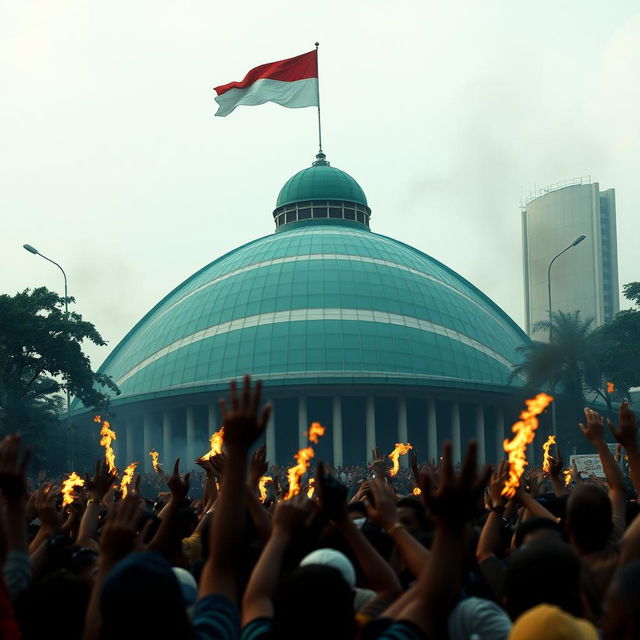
point(321, 194)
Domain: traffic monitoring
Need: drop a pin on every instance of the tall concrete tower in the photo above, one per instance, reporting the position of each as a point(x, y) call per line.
point(585, 279)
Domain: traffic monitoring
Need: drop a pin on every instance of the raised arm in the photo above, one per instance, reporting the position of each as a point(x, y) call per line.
point(97, 488)
point(491, 536)
point(242, 427)
point(625, 434)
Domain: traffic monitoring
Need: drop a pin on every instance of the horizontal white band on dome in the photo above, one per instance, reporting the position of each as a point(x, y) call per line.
point(302, 315)
point(319, 256)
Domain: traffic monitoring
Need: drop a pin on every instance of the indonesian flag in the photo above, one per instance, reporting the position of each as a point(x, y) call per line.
point(291, 83)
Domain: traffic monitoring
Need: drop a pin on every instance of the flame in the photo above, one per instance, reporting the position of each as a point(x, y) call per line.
point(215, 442)
point(546, 460)
point(416, 491)
point(295, 473)
point(568, 477)
point(127, 477)
point(154, 460)
point(525, 431)
point(262, 487)
point(107, 436)
point(73, 480)
point(400, 450)
point(311, 488)
point(611, 387)
point(315, 431)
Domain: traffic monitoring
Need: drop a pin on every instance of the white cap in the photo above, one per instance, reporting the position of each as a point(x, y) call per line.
point(334, 559)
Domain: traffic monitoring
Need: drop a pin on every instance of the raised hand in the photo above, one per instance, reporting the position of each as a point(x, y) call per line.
point(556, 464)
point(291, 514)
point(120, 533)
point(242, 426)
point(13, 481)
point(385, 512)
point(625, 434)
point(594, 429)
point(453, 503)
point(332, 495)
point(258, 466)
point(98, 486)
point(496, 484)
point(49, 515)
point(378, 464)
point(178, 484)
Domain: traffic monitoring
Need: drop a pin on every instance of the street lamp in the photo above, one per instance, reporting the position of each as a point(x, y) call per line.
point(35, 252)
point(577, 241)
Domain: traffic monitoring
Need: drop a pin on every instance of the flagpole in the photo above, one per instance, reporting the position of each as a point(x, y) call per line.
point(318, 84)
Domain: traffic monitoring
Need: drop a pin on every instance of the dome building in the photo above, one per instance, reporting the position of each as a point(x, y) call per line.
point(363, 333)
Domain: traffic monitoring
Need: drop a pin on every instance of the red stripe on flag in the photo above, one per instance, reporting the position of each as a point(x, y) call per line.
point(289, 70)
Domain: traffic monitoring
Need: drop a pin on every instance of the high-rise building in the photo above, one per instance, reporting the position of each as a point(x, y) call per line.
point(585, 279)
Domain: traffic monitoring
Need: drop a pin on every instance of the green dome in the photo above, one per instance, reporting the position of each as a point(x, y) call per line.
point(321, 182)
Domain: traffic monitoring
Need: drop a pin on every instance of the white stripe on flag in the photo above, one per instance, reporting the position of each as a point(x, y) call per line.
point(295, 95)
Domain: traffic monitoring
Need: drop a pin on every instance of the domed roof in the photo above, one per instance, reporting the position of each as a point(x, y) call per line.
point(318, 304)
point(321, 181)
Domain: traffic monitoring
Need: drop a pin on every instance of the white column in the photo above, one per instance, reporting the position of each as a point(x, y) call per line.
point(337, 432)
point(303, 422)
point(148, 442)
point(270, 440)
point(432, 430)
point(455, 433)
point(403, 429)
point(191, 440)
point(371, 426)
point(167, 454)
point(131, 446)
point(499, 434)
point(480, 434)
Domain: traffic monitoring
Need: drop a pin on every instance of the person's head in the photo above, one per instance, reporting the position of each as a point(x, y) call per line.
point(411, 515)
point(551, 623)
point(314, 602)
point(542, 572)
point(478, 618)
point(356, 510)
point(621, 618)
point(141, 598)
point(589, 522)
point(538, 529)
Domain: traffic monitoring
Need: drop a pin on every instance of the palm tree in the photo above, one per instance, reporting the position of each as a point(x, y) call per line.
point(566, 364)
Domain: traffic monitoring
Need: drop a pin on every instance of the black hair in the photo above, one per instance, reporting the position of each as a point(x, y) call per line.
point(533, 525)
point(589, 518)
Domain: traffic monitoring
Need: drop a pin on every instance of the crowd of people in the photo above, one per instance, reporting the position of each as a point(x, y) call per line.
point(436, 552)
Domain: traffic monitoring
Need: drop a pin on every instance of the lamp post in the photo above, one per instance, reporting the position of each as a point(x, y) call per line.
point(35, 252)
point(577, 241)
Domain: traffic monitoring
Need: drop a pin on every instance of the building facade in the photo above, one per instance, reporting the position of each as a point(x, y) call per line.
point(367, 335)
point(585, 279)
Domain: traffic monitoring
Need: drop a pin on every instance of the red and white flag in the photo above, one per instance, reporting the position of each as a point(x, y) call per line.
point(291, 83)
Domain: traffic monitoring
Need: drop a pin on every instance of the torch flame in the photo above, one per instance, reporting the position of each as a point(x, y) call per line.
point(154, 461)
point(546, 460)
point(73, 480)
point(215, 443)
point(262, 487)
point(568, 477)
point(416, 491)
point(127, 477)
point(525, 431)
point(400, 450)
point(611, 387)
point(311, 488)
point(315, 431)
point(295, 473)
point(106, 437)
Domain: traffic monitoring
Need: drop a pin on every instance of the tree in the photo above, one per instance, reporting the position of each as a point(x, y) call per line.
point(566, 365)
point(618, 345)
point(41, 356)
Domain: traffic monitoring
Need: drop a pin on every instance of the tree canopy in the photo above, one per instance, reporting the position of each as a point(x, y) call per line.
point(41, 355)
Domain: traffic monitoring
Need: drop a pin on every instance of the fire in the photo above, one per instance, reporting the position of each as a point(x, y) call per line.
point(215, 443)
point(73, 480)
point(546, 460)
point(311, 488)
point(400, 450)
point(154, 461)
point(416, 491)
point(525, 431)
point(295, 473)
point(611, 387)
point(106, 437)
point(262, 487)
point(568, 477)
point(315, 431)
point(127, 477)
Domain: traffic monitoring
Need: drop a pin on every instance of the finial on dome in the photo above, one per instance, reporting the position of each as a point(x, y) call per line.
point(320, 161)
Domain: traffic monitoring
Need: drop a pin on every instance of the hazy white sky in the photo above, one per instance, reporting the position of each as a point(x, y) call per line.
point(447, 113)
